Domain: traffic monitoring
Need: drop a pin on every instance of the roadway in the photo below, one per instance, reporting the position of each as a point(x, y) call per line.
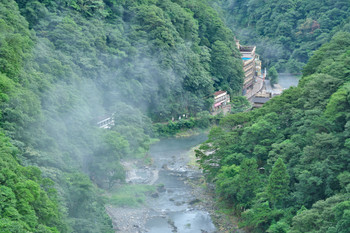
point(257, 86)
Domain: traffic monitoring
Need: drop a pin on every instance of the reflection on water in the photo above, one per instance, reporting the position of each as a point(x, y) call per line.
point(288, 80)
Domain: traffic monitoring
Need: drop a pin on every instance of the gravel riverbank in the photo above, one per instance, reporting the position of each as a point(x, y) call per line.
point(181, 203)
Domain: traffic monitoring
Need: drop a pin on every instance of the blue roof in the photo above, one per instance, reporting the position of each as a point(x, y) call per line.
point(246, 58)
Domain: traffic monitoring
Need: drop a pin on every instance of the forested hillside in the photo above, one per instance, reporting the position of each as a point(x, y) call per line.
point(285, 167)
point(286, 32)
point(64, 64)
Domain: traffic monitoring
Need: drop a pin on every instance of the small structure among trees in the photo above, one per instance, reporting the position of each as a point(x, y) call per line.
point(221, 102)
point(106, 122)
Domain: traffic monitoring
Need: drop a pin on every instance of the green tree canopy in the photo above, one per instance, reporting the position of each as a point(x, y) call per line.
point(278, 186)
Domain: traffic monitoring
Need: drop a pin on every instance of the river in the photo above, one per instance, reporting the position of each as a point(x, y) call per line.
point(175, 207)
point(287, 80)
point(172, 209)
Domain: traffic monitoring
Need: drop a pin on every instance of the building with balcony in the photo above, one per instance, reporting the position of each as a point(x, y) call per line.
point(221, 101)
point(251, 65)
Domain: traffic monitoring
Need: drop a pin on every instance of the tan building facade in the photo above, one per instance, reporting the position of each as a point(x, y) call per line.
point(221, 100)
point(251, 64)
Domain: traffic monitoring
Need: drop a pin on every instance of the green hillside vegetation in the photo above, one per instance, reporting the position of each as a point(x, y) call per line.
point(285, 167)
point(286, 32)
point(28, 201)
point(64, 64)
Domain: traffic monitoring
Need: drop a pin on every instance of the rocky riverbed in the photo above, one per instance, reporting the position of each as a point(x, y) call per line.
point(181, 203)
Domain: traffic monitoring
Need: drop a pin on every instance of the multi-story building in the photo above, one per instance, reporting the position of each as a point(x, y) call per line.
point(251, 64)
point(221, 100)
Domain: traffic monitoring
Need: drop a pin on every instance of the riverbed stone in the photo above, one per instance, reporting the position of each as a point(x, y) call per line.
point(155, 195)
point(194, 201)
point(161, 188)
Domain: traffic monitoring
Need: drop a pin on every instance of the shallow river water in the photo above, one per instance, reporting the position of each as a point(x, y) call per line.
point(173, 211)
point(288, 80)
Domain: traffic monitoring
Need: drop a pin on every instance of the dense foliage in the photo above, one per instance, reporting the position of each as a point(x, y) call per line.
point(28, 201)
point(65, 64)
point(202, 121)
point(285, 167)
point(286, 32)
